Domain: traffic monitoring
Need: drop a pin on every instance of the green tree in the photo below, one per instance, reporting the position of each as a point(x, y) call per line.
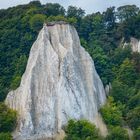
point(56, 18)
point(35, 3)
point(7, 118)
point(20, 65)
point(54, 9)
point(111, 113)
point(5, 136)
point(110, 17)
point(121, 92)
point(133, 118)
point(15, 82)
point(137, 134)
point(127, 73)
point(136, 60)
point(100, 34)
point(127, 11)
point(75, 12)
point(86, 28)
point(117, 133)
point(101, 62)
point(72, 21)
point(97, 24)
point(36, 22)
point(81, 130)
point(119, 55)
point(134, 101)
point(127, 15)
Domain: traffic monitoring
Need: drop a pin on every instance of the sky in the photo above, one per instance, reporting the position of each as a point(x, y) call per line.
point(89, 6)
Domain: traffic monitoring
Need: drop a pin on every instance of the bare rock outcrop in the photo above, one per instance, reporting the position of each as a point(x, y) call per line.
point(60, 83)
point(134, 43)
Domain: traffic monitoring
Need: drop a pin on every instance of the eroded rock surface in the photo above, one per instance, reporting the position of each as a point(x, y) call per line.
point(134, 43)
point(60, 83)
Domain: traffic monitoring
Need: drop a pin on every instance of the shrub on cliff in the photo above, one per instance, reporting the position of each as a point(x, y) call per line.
point(81, 130)
point(5, 136)
point(7, 119)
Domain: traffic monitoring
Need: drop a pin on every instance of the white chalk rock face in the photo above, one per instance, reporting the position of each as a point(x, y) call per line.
point(60, 83)
point(135, 44)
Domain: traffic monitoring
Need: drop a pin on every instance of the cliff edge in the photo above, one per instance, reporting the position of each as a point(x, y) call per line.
point(60, 83)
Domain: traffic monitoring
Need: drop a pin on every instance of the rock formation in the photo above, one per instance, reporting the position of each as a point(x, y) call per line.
point(134, 43)
point(108, 88)
point(60, 83)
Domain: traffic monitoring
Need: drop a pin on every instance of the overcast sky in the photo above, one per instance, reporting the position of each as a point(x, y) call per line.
point(88, 5)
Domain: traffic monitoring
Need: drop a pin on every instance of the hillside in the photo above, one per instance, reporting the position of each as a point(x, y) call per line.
point(102, 34)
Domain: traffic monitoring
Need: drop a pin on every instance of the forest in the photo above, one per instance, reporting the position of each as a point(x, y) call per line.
point(103, 36)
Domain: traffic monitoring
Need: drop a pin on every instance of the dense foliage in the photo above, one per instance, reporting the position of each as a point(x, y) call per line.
point(117, 133)
point(102, 35)
point(111, 113)
point(137, 133)
point(81, 130)
point(5, 136)
point(8, 119)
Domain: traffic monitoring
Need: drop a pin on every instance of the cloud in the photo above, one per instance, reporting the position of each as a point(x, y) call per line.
point(88, 5)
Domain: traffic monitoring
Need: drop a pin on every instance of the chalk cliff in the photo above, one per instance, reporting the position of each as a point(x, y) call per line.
point(60, 83)
point(134, 43)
